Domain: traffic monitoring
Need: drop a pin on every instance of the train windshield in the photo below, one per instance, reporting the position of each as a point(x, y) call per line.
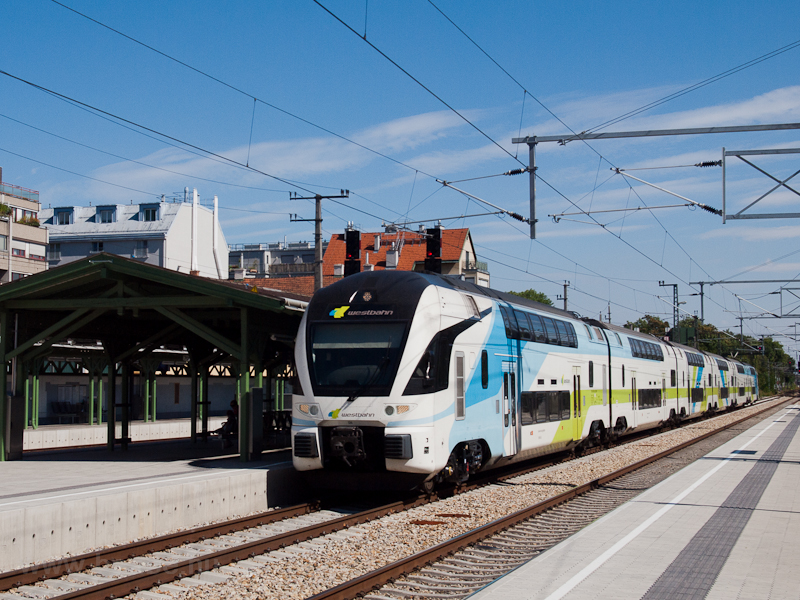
point(355, 358)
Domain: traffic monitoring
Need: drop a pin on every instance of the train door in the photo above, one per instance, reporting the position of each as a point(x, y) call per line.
point(634, 400)
point(510, 407)
point(664, 409)
point(576, 403)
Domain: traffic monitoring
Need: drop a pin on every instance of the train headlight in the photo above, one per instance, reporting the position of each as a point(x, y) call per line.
point(389, 410)
point(308, 409)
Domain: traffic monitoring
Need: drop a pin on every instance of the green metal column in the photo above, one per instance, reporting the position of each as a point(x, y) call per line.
point(111, 409)
point(27, 400)
point(91, 399)
point(100, 399)
point(146, 397)
point(245, 418)
point(193, 393)
point(36, 400)
point(125, 400)
point(153, 400)
point(204, 398)
point(4, 404)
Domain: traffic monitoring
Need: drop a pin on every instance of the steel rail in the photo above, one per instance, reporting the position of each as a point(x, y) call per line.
point(80, 562)
point(134, 583)
point(374, 580)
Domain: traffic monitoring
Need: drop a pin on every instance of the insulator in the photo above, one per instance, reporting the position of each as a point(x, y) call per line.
point(517, 216)
point(710, 163)
point(713, 211)
point(516, 172)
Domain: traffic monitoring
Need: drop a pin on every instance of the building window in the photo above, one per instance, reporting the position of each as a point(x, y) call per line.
point(18, 252)
point(150, 214)
point(4, 243)
point(18, 276)
point(141, 249)
point(97, 247)
point(63, 217)
point(55, 252)
point(105, 215)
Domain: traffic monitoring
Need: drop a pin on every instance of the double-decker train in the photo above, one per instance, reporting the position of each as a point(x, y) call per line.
point(410, 379)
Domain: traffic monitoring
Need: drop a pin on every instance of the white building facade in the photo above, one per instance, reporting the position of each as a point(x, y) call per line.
point(183, 236)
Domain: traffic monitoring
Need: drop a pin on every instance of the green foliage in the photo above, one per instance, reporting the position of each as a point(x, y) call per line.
point(776, 369)
point(30, 221)
point(5, 209)
point(650, 324)
point(534, 295)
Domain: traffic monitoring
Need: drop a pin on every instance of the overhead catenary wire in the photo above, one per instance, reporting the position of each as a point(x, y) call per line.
point(569, 128)
point(239, 90)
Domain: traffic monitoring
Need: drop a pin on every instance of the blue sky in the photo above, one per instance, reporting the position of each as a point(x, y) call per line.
point(586, 62)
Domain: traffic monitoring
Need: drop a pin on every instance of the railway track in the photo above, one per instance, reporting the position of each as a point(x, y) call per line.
point(189, 556)
point(456, 568)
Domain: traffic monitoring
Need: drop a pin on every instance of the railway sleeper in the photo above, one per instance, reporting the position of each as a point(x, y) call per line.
point(437, 574)
point(424, 583)
point(469, 566)
point(490, 552)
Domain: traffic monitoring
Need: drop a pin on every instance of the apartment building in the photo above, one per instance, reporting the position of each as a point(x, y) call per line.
point(23, 243)
point(181, 235)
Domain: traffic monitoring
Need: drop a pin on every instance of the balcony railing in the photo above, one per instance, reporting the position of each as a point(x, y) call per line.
point(476, 265)
point(19, 192)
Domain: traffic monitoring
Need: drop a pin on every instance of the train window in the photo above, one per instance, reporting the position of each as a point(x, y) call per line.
point(563, 333)
point(523, 325)
point(619, 340)
point(510, 323)
point(537, 329)
point(573, 335)
point(554, 408)
point(673, 378)
point(623, 375)
point(599, 334)
point(550, 329)
point(460, 404)
point(563, 401)
point(709, 379)
point(540, 407)
point(472, 306)
point(591, 374)
point(527, 403)
point(484, 369)
point(588, 331)
point(723, 365)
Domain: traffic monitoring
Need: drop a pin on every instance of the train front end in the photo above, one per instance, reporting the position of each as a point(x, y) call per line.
point(359, 343)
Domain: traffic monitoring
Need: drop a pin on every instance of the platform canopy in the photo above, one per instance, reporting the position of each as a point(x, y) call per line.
point(129, 310)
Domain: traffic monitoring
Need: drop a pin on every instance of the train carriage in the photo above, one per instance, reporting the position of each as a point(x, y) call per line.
point(415, 378)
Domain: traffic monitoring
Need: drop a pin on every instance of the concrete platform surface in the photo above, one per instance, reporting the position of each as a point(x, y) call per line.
point(81, 434)
point(59, 502)
point(726, 526)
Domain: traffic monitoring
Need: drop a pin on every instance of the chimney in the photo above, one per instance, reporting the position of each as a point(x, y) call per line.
point(376, 245)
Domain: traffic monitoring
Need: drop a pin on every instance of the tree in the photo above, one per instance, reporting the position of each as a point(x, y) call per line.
point(649, 324)
point(535, 296)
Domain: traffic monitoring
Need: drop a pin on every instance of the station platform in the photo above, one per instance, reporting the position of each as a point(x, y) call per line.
point(59, 502)
point(76, 435)
point(726, 526)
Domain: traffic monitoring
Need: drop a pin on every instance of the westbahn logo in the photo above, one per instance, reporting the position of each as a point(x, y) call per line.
point(338, 313)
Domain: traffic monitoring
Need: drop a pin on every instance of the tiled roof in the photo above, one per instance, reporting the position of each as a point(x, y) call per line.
point(302, 285)
point(412, 252)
